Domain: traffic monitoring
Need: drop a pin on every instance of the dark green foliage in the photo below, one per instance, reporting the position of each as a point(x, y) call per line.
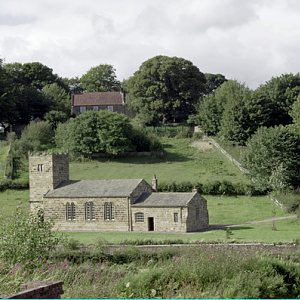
point(213, 81)
point(142, 140)
point(211, 188)
point(100, 79)
point(55, 117)
point(165, 88)
point(273, 158)
point(280, 92)
point(18, 184)
point(104, 132)
point(26, 82)
point(35, 137)
point(58, 98)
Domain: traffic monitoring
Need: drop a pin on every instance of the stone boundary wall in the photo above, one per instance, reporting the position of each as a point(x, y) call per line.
point(212, 141)
point(38, 290)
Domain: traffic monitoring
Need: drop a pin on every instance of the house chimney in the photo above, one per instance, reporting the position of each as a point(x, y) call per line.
point(123, 95)
point(195, 189)
point(154, 184)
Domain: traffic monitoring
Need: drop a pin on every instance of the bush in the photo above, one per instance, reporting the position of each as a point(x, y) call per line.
point(36, 137)
point(27, 238)
point(17, 184)
point(211, 188)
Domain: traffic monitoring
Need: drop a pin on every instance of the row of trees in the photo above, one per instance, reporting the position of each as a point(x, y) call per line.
point(163, 89)
point(30, 90)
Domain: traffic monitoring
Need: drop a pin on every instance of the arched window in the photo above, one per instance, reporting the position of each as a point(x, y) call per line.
point(70, 211)
point(139, 217)
point(89, 211)
point(109, 211)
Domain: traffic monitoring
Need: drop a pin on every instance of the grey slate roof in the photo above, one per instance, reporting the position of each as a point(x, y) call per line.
point(163, 199)
point(94, 188)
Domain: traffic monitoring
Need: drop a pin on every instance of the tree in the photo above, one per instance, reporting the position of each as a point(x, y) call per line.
point(55, 117)
point(281, 92)
point(7, 105)
point(235, 123)
point(57, 98)
point(100, 79)
point(213, 81)
point(93, 132)
point(273, 158)
point(26, 239)
point(25, 89)
point(36, 137)
point(165, 88)
point(34, 74)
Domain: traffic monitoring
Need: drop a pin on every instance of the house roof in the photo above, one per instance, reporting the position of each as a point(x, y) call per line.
point(163, 199)
point(98, 98)
point(94, 188)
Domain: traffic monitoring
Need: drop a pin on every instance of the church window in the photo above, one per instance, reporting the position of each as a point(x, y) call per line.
point(109, 211)
point(60, 168)
point(176, 217)
point(110, 108)
point(89, 211)
point(40, 168)
point(139, 217)
point(82, 109)
point(70, 211)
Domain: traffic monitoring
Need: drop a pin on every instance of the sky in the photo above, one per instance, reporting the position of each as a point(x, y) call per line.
point(247, 40)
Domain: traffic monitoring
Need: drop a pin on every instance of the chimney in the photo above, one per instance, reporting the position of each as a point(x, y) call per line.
point(154, 184)
point(195, 189)
point(123, 94)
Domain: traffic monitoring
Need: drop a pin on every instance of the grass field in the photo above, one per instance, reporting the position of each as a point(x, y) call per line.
point(180, 163)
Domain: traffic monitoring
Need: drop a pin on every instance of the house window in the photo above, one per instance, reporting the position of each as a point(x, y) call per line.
point(89, 211)
point(139, 217)
point(176, 217)
point(110, 108)
point(40, 168)
point(70, 211)
point(82, 109)
point(95, 108)
point(109, 211)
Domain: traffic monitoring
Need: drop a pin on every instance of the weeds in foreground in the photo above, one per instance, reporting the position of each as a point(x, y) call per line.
point(195, 272)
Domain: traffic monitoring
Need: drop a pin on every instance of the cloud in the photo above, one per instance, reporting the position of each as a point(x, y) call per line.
point(11, 20)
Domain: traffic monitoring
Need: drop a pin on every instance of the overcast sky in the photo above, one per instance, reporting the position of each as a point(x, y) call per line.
point(247, 40)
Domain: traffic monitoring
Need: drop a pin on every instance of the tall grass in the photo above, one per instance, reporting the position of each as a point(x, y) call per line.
point(194, 272)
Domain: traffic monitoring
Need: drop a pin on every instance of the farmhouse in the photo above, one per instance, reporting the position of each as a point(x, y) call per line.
point(112, 101)
point(109, 205)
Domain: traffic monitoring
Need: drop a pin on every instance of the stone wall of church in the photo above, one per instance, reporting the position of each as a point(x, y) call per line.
point(197, 214)
point(57, 207)
point(163, 219)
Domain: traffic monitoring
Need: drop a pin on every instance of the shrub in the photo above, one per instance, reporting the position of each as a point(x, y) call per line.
point(27, 238)
point(36, 137)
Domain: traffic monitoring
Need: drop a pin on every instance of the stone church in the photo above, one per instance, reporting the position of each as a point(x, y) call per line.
point(109, 205)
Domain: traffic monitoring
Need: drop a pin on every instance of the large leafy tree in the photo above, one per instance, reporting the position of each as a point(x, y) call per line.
point(7, 105)
point(27, 83)
point(101, 78)
point(165, 88)
point(57, 97)
point(273, 158)
point(213, 81)
point(93, 132)
point(281, 92)
point(34, 74)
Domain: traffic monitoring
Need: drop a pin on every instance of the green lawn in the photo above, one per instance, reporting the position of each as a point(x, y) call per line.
point(180, 163)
